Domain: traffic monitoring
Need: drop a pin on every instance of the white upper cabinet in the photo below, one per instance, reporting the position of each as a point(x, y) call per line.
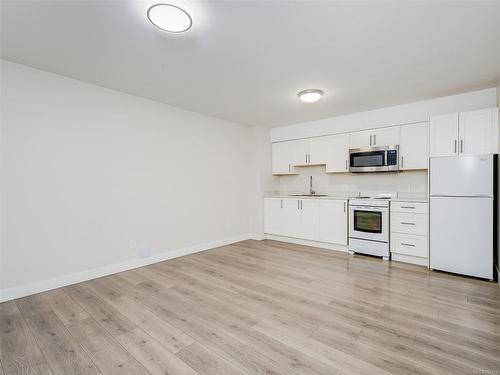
point(361, 139)
point(443, 135)
point(386, 136)
point(282, 157)
point(465, 133)
point(310, 151)
point(333, 221)
point(318, 150)
point(477, 131)
point(375, 137)
point(413, 148)
point(337, 160)
point(300, 151)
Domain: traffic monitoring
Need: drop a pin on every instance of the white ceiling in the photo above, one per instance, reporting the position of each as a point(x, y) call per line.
point(245, 61)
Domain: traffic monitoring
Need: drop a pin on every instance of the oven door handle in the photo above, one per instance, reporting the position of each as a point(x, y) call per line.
point(369, 208)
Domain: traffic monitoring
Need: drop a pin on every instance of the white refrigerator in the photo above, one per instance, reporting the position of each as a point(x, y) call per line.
point(461, 233)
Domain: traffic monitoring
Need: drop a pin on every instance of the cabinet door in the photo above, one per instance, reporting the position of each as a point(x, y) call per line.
point(273, 216)
point(318, 148)
point(361, 139)
point(414, 147)
point(386, 136)
point(309, 219)
point(333, 221)
point(443, 135)
point(291, 212)
point(337, 153)
point(476, 132)
point(300, 151)
point(282, 157)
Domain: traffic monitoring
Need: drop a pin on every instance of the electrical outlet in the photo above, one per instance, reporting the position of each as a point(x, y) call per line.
point(133, 244)
point(144, 252)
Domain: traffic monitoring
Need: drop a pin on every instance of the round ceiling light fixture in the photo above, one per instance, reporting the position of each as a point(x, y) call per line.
point(311, 95)
point(170, 18)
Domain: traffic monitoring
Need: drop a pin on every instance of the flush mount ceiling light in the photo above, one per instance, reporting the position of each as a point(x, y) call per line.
point(310, 96)
point(170, 18)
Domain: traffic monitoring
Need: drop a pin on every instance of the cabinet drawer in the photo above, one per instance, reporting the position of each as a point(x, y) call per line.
point(409, 223)
point(409, 244)
point(409, 207)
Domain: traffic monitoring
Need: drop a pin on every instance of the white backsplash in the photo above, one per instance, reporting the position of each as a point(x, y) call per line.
point(403, 182)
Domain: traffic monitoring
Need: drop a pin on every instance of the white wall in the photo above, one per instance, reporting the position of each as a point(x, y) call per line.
point(262, 179)
point(87, 169)
point(389, 116)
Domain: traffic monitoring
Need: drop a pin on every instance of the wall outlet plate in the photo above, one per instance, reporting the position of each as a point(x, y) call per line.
point(133, 244)
point(144, 252)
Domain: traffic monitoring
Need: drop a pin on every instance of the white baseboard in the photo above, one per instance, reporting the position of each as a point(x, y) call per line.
point(410, 259)
point(258, 237)
point(58, 282)
point(298, 241)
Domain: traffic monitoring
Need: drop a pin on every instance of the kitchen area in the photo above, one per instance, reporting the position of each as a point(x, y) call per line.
point(421, 193)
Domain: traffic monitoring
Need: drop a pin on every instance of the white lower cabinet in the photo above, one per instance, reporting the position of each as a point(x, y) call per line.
point(309, 219)
point(333, 221)
point(322, 220)
point(409, 232)
point(274, 216)
point(291, 217)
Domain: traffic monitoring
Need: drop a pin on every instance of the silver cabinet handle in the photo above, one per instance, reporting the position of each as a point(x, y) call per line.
point(410, 207)
point(346, 165)
point(374, 139)
point(282, 203)
point(301, 205)
point(402, 161)
point(455, 147)
point(404, 223)
point(289, 168)
point(407, 244)
point(371, 139)
point(461, 146)
point(298, 205)
point(344, 206)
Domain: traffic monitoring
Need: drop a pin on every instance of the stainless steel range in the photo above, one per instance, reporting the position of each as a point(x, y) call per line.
point(369, 226)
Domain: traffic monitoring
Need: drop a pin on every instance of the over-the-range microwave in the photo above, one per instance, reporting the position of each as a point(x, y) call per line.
point(374, 159)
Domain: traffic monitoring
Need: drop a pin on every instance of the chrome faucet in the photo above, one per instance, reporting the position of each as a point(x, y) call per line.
point(311, 191)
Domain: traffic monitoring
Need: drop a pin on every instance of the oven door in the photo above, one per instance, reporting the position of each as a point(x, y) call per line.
point(369, 223)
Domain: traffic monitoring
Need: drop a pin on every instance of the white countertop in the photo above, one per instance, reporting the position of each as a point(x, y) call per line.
point(294, 195)
point(401, 197)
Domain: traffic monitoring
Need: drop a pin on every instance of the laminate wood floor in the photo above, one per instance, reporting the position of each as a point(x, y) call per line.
point(258, 307)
